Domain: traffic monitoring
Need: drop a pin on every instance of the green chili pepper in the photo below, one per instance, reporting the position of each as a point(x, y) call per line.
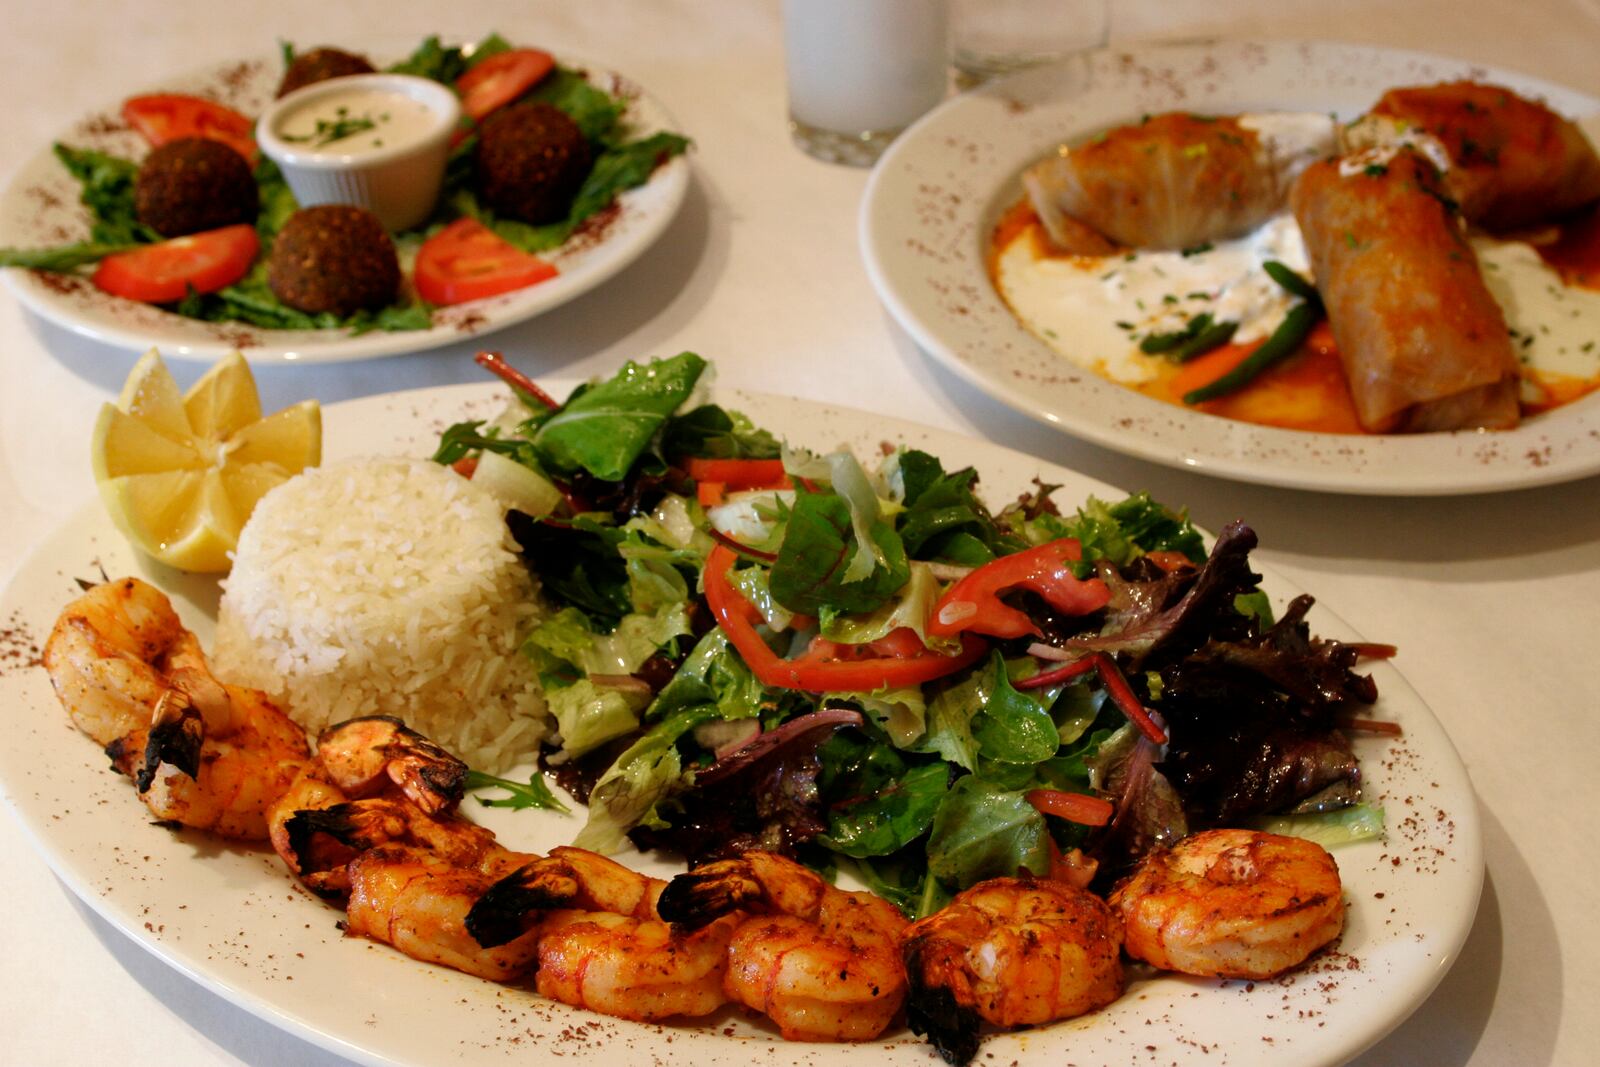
point(1289, 335)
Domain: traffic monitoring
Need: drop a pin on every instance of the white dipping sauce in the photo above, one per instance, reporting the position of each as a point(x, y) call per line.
point(357, 121)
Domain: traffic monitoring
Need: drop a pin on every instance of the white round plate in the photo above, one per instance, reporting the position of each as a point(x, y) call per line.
point(40, 208)
point(231, 918)
point(935, 196)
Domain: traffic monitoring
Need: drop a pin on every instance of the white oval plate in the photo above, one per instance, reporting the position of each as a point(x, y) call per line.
point(40, 208)
point(934, 198)
point(230, 917)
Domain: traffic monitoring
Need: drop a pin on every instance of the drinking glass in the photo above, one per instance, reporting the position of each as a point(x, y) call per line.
point(860, 71)
point(989, 38)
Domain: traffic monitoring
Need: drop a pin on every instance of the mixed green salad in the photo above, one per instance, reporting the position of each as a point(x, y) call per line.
point(749, 645)
point(621, 161)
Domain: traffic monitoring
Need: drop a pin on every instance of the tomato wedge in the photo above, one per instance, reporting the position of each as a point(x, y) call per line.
point(163, 117)
point(468, 261)
point(502, 78)
point(162, 273)
point(818, 675)
point(974, 604)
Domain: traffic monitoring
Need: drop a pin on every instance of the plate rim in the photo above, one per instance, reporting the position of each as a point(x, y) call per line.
point(122, 912)
point(668, 184)
point(1380, 475)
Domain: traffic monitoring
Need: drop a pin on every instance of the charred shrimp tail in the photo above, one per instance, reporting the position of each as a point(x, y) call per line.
point(501, 915)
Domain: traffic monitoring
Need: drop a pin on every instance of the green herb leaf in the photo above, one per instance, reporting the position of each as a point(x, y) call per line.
point(536, 794)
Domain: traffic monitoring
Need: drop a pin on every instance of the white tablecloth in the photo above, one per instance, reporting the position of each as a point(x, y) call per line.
point(1493, 598)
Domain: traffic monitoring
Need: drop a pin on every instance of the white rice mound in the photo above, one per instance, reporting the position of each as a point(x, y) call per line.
point(387, 586)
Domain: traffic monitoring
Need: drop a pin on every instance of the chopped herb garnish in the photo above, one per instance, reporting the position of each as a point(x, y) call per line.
point(1198, 249)
point(536, 794)
point(337, 129)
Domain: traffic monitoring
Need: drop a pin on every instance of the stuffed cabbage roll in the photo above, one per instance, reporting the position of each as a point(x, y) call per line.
point(1424, 344)
point(1175, 180)
point(1509, 162)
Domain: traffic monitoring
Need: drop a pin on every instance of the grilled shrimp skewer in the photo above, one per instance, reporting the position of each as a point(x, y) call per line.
point(202, 754)
point(822, 963)
point(1012, 951)
point(1232, 904)
point(602, 944)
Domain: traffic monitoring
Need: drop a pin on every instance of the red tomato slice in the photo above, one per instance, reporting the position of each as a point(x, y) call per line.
point(162, 273)
point(466, 261)
point(502, 78)
point(164, 117)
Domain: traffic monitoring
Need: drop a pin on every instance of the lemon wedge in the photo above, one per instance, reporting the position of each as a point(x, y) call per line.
point(181, 472)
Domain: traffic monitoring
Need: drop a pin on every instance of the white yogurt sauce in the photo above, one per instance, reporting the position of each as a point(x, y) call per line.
point(369, 120)
point(1555, 328)
point(1095, 311)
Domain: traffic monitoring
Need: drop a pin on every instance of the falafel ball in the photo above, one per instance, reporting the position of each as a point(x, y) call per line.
point(320, 64)
point(531, 159)
point(334, 257)
point(193, 184)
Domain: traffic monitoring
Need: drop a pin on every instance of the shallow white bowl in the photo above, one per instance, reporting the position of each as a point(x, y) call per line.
point(399, 183)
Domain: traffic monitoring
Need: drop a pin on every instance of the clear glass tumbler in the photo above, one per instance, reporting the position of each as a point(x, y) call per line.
point(860, 71)
point(990, 38)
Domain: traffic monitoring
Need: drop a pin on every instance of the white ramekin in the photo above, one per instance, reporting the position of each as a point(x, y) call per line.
point(398, 183)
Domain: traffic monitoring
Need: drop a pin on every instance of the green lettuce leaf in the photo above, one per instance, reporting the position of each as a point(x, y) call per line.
point(108, 192)
point(604, 428)
point(589, 715)
point(1121, 532)
point(567, 640)
point(712, 676)
point(982, 832)
point(713, 432)
point(1330, 829)
point(1013, 726)
point(910, 606)
point(877, 802)
point(649, 772)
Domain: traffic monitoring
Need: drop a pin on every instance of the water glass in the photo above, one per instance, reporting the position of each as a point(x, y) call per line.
point(989, 38)
point(860, 71)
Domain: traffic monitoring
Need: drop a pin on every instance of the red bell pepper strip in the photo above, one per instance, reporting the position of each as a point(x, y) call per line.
point(973, 603)
point(817, 675)
point(737, 474)
point(1116, 685)
point(1074, 807)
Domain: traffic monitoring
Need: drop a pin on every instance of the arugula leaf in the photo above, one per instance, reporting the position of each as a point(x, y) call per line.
point(809, 574)
point(981, 831)
point(877, 802)
point(1122, 531)
point(1013, 727)
point(577, 564)
point(536, 794)
point(944, 518)
point(710, 431)
point(604, 428)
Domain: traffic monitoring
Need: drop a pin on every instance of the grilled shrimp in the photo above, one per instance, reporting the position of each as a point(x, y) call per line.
point(374, 782)
point(412, 898)
point(201, 753)
point(632, 967)
point(1012, 951)
point(1232, 904)
point(568, 878)
point(822, 963)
